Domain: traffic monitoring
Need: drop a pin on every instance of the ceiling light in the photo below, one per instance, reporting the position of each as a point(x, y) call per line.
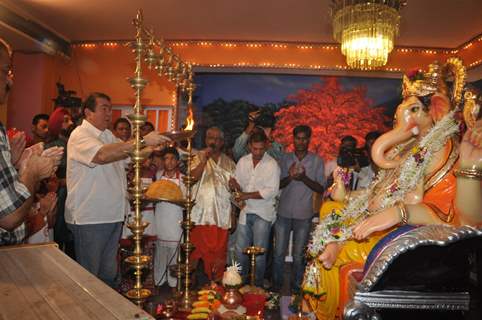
point(366, 30)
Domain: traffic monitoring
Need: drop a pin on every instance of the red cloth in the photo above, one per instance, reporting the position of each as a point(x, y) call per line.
point(254, 304)
point(28, 141)
point(11, 132)
point(210, 244)
point(56, 119)
point(347, 271)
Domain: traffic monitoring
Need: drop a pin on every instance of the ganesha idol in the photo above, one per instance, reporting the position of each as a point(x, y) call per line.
point(430, 173)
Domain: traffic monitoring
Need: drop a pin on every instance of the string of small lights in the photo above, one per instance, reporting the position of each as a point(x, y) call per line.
point(173, 124)
point(303, 47)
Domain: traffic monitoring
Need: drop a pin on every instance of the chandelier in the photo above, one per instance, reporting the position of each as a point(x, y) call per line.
point(366, 30)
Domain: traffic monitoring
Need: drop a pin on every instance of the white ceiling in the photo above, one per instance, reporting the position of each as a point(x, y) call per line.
point(425, 23)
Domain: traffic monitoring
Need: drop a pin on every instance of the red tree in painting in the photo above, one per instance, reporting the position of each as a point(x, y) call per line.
point(331, 112)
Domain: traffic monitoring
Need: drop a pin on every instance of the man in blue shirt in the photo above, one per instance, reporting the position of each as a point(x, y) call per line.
point(301, 175)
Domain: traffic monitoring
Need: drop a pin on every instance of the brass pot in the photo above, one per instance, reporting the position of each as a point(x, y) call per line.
point(170, 310)
point(232, 298)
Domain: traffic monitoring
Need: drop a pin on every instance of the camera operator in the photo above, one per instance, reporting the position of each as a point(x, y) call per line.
point(258, 120)
point(68, 100)
point(368, 169)
point(348, 160)
point(356, 162)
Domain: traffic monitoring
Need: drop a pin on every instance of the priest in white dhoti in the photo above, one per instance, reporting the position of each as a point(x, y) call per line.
point(212, 210)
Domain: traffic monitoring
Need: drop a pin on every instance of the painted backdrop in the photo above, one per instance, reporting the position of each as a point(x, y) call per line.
point(332, 106)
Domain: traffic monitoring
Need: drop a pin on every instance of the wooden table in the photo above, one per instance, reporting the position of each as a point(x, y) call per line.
point(41, 282)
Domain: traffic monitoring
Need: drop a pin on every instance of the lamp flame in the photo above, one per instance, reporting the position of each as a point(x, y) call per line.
point(189, 119)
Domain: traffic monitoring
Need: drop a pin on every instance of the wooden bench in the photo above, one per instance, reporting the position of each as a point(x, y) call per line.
point(41, 282)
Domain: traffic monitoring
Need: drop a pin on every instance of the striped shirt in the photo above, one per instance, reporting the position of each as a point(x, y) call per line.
point(12, 193)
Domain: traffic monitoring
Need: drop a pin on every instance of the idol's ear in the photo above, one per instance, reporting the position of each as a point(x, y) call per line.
point(439, 106)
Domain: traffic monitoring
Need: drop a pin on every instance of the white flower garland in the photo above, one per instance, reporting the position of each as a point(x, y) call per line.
point(231, 276)
point(337, 226)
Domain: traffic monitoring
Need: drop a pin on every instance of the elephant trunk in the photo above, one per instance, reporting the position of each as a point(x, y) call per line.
point(387, 141)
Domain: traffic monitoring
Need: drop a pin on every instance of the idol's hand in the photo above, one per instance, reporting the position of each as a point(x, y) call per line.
point(471, 148)
point(378, 222)
point(329, 255)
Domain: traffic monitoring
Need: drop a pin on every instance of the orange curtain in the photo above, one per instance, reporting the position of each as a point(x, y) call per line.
point(151, 116)
point(163, 120)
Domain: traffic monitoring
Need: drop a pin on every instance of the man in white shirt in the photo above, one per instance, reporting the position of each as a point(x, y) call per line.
point(96, 183)
point(257, 180)
point(167, 221)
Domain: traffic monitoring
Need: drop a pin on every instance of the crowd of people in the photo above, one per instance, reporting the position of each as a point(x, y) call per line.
point(67, 181)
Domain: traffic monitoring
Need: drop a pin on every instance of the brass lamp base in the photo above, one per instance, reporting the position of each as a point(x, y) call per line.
point(138, 260)
point(186, 300)
point(138, 295)
point(179, 135)
point(253, 251)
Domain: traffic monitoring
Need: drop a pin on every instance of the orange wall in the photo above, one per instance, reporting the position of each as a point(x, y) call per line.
point(26, 97)
point(268, 55)
point(105, 67)
point(3, 113)
point(292, 56)
point(97, 69)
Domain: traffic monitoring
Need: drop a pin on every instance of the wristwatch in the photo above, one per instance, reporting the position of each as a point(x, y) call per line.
point(142, 143)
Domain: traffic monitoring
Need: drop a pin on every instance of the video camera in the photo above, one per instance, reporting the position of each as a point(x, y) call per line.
point(351, 157)
point(265, 119)
point(67, 99)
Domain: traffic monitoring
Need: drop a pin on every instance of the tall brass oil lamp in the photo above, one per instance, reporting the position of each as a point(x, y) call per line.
point(186, 298)
point(168, 64)
point(138, 261)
